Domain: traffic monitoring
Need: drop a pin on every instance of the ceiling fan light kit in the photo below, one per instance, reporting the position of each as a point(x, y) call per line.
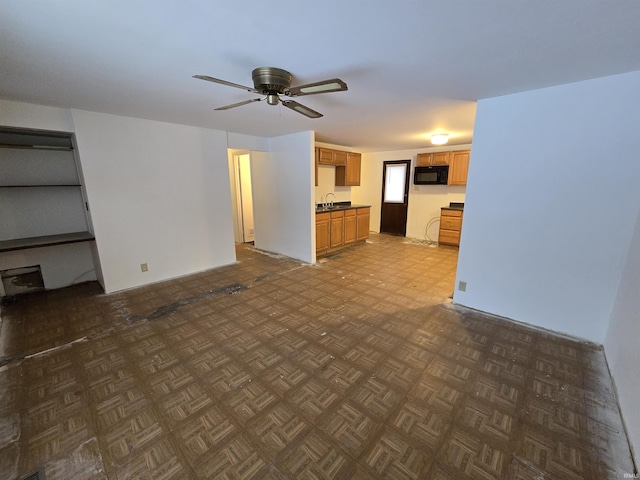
point(273, 82)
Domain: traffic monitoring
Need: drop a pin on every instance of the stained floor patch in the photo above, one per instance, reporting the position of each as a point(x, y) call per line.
point(171, 308)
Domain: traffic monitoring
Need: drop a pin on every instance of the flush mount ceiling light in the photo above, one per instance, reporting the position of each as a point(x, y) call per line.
point(439, 138)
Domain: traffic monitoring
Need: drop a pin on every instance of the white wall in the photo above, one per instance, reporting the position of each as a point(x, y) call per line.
point(247, 142)
point(283, 183)
point(158, 193)
point(425, 201)
point(552, 202)
point(327, 184)
point(621, 342)
point(61, 265)
point(37, 117)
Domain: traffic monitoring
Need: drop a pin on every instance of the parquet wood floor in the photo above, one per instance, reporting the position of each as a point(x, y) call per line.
point(356, 368)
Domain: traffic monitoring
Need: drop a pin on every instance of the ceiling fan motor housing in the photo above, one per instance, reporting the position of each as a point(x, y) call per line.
point(271, 80)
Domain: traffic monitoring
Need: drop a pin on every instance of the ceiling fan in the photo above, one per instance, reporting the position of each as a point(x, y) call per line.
point(273, 82)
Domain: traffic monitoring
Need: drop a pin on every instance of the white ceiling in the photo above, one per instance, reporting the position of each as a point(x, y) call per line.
point(413, 67)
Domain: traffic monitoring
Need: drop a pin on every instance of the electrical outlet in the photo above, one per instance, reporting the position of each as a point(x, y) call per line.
point(144, 267)
point(462, 286)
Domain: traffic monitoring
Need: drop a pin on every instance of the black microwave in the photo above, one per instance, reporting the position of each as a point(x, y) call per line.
point(433, 175)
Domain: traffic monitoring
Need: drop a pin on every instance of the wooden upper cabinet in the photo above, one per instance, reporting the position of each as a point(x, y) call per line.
point(459, 167)
point(424, 159)
point(339, 157)
point(436, 158)
point(441, 158)
point(349, 175)
point(354, 161)
point(328, 156)
point(325, 156)
point(348, 165)
point(458, 162)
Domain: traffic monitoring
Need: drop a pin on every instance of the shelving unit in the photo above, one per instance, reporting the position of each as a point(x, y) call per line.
point(45, 241)
point(41, 193)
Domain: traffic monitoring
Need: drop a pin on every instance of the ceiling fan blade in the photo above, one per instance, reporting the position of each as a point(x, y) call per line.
point(301, 109)
point(239, 104)
point(224, 82)
point(325, 86)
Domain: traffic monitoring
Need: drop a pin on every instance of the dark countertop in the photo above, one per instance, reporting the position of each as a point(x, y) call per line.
point(454, 206)
point(339, 206)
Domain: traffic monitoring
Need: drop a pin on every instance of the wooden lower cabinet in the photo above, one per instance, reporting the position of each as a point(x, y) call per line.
point(335, 230)
point(363, 215)
point(350, 226)
point(323, 231)
point(450, 227)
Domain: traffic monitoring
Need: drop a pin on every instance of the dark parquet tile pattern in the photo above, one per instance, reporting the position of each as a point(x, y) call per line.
point(356, 368)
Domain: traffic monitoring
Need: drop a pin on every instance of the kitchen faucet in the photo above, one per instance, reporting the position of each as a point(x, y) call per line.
point(327, 204)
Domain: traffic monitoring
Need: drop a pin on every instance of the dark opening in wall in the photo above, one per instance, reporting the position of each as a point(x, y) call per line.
point(22, 280)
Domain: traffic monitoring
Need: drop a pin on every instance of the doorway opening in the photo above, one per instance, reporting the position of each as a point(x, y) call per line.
point(395, 197)
point(242, 198)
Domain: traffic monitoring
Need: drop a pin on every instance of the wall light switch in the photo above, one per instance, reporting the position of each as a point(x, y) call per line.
point(144, 267)
point(462, 286)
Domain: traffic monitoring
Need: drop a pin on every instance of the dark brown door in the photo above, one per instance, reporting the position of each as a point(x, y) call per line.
point(395, 197)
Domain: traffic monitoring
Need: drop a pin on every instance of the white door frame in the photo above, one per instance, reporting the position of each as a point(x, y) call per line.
point(244, 201)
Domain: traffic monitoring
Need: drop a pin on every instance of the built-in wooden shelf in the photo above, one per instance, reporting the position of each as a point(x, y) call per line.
point(45, 241)
point(43, 186)
point(37, 147)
